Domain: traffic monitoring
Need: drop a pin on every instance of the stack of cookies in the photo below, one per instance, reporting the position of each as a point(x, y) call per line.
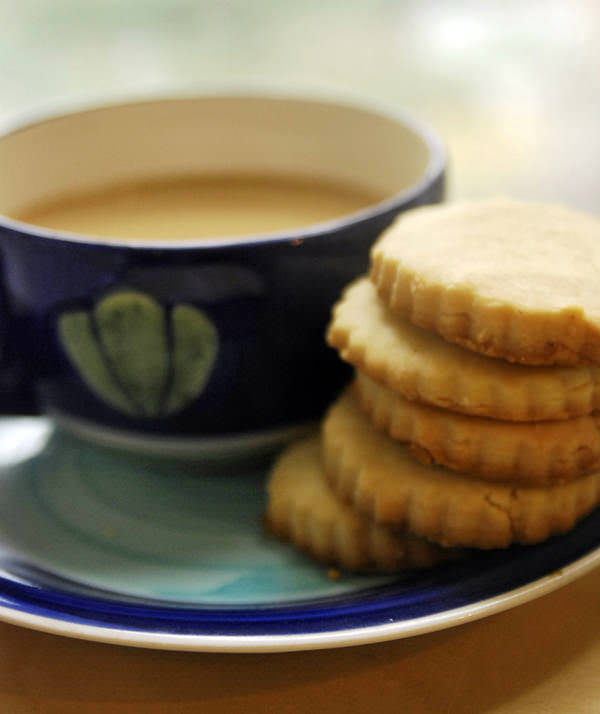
point(472, 420)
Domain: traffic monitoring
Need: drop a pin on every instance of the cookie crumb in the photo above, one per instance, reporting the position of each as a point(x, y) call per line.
point(333, 574)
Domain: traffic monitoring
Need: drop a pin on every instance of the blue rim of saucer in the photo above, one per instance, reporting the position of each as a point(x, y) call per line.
point(474, 587)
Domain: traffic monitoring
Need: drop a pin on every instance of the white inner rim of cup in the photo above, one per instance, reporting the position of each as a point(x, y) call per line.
point(241, 134)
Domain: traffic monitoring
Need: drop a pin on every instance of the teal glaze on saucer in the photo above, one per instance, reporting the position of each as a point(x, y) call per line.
point(144, 528)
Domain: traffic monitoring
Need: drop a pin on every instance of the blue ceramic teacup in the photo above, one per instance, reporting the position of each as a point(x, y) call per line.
point(195, 346)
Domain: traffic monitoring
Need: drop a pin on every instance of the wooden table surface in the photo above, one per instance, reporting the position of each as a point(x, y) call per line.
point(539, 658)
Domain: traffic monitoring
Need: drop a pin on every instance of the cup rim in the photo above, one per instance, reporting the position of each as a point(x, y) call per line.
point(435, 169)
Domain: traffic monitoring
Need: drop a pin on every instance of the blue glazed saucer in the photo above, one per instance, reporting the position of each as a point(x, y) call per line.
point(115, 547)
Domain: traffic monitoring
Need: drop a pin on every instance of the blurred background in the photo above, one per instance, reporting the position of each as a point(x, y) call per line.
point(512, 86)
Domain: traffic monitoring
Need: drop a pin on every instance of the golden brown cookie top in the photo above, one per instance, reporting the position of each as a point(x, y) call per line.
point(505, 278)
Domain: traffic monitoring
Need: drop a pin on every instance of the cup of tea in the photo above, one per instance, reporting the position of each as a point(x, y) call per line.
point(169, 266)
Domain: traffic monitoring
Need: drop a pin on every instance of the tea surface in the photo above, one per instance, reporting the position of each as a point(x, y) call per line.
point(194, 207)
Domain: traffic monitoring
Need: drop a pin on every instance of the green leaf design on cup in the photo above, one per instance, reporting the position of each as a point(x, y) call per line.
point(137, 356)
